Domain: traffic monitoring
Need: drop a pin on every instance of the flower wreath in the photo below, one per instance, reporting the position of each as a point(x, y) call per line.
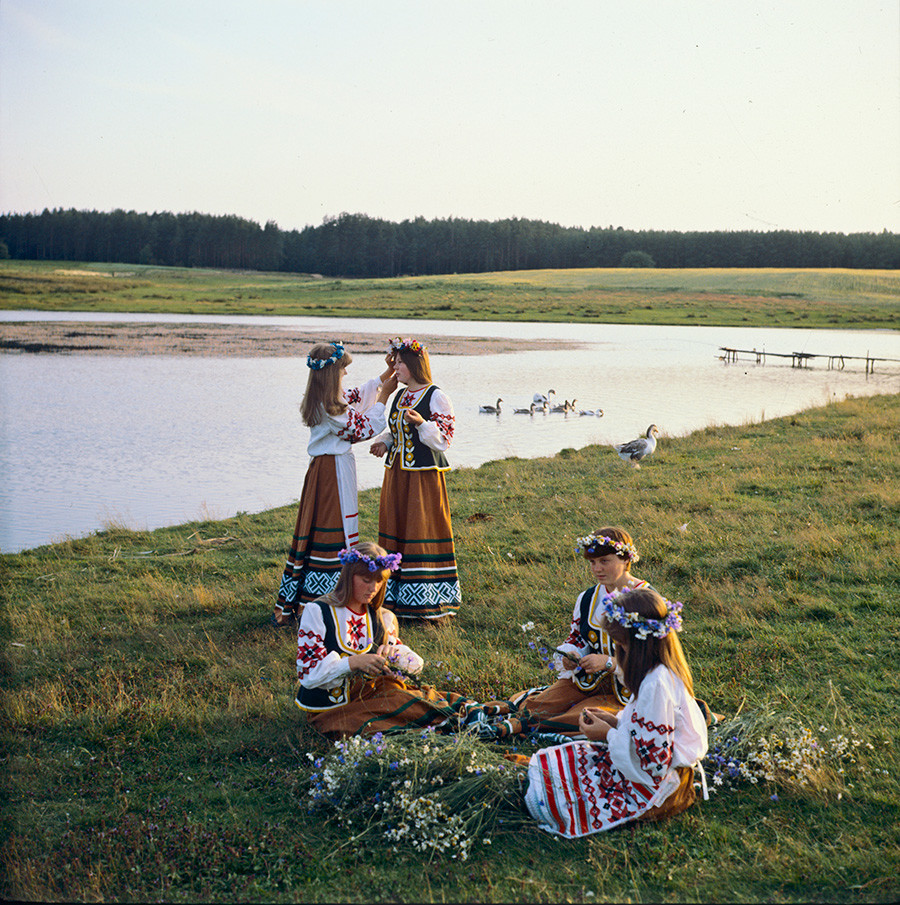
point(659, 628)
point(594, 543)
point(390, 561)
point(316, 364)
point(406, 345)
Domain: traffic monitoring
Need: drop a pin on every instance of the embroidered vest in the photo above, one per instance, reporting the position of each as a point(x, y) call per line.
point(317, 700)
point(414, 455)
point(600, 643)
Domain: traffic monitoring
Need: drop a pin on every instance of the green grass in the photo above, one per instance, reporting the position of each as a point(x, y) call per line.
point(847, 299)
point(152, 750)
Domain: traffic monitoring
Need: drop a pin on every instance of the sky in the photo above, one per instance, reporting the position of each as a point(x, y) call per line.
point(674, 115)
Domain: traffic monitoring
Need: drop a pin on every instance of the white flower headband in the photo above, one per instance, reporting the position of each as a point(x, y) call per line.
point(316, 364)
point(595, 544)
point(407, 345)
point(642, 625)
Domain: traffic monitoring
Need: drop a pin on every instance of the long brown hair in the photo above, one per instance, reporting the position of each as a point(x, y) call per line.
point(323, 387)
point(419, 364)
point(637, 656)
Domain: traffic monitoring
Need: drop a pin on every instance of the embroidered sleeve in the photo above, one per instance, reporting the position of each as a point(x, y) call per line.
point(353, 426)
point(316, 666)
point(437, 431)
point(353, 396)
point(399, 654)
point(642, 745)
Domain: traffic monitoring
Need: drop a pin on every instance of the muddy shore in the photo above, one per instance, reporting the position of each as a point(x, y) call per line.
point(70, 338)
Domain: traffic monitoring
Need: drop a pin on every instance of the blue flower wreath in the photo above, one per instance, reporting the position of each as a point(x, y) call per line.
point(316, 364)
point(390, 561)
point(642, 625)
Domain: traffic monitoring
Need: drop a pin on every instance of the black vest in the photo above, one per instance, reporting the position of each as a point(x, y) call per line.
point(599, 643)
point(317, 700)
point(414, 454)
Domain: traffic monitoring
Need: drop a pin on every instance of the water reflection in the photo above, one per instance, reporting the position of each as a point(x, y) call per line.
point(150, 441)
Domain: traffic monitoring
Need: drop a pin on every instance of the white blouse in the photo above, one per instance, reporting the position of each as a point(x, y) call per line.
point(435, 432)
point(335, 434)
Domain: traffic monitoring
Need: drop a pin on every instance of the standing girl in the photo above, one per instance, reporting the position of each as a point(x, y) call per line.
point(414, 516)
point(637, 765)
point(328, 517)
point(349, 657)
point(588, 675)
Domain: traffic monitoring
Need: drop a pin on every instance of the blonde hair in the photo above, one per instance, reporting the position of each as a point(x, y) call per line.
point(342, 595)
point(323, 387)
point(637, 656)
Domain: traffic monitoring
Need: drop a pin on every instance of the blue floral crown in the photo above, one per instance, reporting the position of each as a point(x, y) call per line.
point(596, 544)
point(390, 561)
point(659, 628)
point(316, 364)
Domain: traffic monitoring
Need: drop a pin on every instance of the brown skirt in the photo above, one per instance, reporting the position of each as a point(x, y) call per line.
point(385, 703)
point(312, 566)
point(414, 520)
point(557, 707)
point(680, 800)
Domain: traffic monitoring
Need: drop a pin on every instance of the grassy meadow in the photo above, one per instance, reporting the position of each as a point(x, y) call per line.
point(846, 299)
point(153, 752)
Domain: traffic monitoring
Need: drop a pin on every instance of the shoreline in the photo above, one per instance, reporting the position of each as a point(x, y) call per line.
point(220, 340)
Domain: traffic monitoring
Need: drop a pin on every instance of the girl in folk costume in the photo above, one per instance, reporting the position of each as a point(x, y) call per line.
point(414, 517)
point(328, 517)
point(349, 657)
point(588, 677)
point(637, 765)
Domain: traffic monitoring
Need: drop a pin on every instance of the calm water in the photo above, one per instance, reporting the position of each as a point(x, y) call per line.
point(152, 441)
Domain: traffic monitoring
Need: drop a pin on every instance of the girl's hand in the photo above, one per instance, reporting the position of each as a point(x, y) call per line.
point(597, 663)
point(378, 448)
point(369, 664)
point(414, 418)
point(569, 664)
point(595, 723)
point(385, 390)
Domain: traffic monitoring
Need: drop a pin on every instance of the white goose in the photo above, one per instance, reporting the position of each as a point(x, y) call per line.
point(491, 409)
point(542, 401)
point(592, 412)
point(635, 450)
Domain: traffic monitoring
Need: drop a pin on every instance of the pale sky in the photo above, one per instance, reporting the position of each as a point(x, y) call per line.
point(681, 115)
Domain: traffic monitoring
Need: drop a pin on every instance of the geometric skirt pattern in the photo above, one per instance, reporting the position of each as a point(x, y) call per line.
point(414, 520)
point(312, 566)
point(556, 708)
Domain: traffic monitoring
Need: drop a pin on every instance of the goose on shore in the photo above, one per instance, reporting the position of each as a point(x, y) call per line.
point(635, 450)
point(491, 409)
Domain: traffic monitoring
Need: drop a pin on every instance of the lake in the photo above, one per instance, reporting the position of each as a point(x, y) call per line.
point(147, 441)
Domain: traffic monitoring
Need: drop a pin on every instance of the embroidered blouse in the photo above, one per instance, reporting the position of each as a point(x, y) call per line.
point(435, 432)
point(364, 418)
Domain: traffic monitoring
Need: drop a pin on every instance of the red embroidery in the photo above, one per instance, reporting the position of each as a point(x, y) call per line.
point(356, 630)
point(309, 653)
point(353, 397)
point(445, 425)
point(358, 427)
point(408, 399)
point(653, 748)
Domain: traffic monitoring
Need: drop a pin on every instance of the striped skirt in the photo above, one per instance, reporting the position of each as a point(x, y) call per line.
point(557, 707)
point(312, 566)
point(414, 520)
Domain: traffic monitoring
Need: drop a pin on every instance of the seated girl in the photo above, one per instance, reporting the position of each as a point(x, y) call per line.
point(588, 676)
point(638, 764)
point(353, 669)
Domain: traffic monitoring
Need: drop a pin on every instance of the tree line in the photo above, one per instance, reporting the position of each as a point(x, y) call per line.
point(356, 245)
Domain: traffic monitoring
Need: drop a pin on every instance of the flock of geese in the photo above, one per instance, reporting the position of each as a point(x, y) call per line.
point(540, 404)
point(631, 452)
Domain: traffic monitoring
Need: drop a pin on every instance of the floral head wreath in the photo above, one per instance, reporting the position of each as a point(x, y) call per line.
point(643, 626)
point(407, 345)
point(390, 561)
point(595, 544)
point(316, 364)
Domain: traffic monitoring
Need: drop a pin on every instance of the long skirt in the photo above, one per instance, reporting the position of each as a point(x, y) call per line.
point(384, 703)
point(414, 520)
point(574, 790)
point(557, 707)
point(312, 566)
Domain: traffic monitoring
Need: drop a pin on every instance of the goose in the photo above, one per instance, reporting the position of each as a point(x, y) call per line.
point(594, 412)
point(491, 409)
point(635, 450)
point(566, 407)
point(542, 401)
point(529, 411)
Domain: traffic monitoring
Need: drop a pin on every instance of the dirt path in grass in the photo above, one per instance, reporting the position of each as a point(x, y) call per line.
point(223, 340)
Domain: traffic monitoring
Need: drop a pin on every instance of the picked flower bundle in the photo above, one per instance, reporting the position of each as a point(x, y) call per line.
point(437, 794)
point(770, 746)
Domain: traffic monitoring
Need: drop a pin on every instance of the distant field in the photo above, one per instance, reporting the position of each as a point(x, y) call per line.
point(846, 299)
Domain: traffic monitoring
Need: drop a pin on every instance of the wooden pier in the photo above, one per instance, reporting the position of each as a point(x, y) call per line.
point(802, 359)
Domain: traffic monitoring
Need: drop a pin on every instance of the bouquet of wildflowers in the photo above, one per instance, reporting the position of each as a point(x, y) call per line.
point(436, 794)
point(774, 747)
